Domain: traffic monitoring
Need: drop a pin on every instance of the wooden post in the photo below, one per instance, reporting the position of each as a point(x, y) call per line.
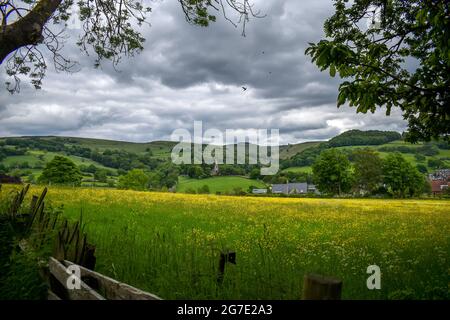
point(317, 287)
point(221, 268)
point(227, 256)
point(33, 204)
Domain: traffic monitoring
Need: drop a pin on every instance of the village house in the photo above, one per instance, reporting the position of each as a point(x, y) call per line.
point(439, 186)
point(440, 181)
point(294, 188)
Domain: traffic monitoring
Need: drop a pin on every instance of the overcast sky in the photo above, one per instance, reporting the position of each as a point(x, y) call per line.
point(188, 73)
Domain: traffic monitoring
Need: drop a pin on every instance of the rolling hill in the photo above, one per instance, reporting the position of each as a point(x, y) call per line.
point(111, 155)
point(429, 156)
point(158, 148)
point(287, 151)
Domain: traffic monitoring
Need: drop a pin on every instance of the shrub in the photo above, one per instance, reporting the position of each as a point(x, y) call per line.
point(204, 189)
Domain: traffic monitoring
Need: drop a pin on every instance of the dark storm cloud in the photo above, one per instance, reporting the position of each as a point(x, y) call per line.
point(189, 73)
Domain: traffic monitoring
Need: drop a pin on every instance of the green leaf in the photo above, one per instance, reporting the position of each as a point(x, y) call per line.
point(332, 70)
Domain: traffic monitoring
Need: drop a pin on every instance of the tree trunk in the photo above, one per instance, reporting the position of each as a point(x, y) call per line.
point(27, 30)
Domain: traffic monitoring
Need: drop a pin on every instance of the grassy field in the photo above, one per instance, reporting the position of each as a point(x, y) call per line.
point(306, 169)
point(217, 184)
point(169, 244)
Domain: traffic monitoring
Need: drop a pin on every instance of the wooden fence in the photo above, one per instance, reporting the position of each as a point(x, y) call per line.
point(93, 285)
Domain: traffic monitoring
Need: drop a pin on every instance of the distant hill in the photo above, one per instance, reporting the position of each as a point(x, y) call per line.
point(426, 156)
point(27, 156)
point(364, 138)
point(159, 147)
point(287, 151)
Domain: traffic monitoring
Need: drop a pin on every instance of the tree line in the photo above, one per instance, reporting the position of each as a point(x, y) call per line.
point(367, 174)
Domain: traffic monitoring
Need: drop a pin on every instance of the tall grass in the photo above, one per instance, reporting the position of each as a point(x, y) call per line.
point(169, 244)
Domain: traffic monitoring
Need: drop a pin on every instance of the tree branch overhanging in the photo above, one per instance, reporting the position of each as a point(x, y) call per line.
point(110, 30)
point(27, 30)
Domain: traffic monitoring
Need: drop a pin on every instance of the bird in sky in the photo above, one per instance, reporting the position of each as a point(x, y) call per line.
point(244, 88)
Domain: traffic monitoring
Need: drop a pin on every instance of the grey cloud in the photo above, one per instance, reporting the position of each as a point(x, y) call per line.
point(190, 73)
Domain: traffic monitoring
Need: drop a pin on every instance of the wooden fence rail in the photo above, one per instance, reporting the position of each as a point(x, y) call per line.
point(95, 286)
point(100, 287)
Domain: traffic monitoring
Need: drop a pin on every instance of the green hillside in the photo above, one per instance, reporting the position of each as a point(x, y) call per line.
point(27, 156)
point(158, 148)
point(305, 169)
point(429, 156)
point(290, 150)
point(40, 158)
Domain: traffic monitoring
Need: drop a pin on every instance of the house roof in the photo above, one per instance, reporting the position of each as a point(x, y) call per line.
point(436, 185)
point(441, 174)
point(290, 187)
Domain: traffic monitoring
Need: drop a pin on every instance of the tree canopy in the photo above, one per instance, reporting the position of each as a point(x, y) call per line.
point(135, 179)
point(392, 53)
point(363, 138)
point(110, 30)
point(368, 169)
point(60, 170)
point(401, 178)
point(332, 172)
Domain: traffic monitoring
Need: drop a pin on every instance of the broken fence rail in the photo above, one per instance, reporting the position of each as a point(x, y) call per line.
point(100, 287)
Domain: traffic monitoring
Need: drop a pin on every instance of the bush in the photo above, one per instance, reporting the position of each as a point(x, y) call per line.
point(436, 163)
point(22, 280)
point(135, 179)
point(191, 190)
point(420, 157)
point(204, 190)
point(428, 150)
point(238, 191)
point(422, 168)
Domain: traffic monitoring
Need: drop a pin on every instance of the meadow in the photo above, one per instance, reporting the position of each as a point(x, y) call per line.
point(225, 184)
point(169, 244)
point(304, 169)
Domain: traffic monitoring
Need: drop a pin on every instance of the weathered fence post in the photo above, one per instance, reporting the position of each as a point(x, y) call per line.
point(34, 201)
point(227, 256)
point(317, 287)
